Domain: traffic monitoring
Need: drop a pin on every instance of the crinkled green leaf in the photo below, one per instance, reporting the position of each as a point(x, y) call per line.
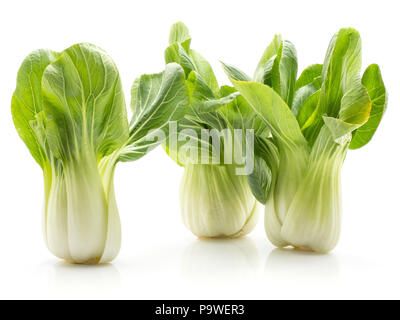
point(203, 99)
point(304, 93)
point(215, 104)
point(205, 70)
point(278, 68)
point(179, 33)
point(308, 75)
point(144, 91)
point(179, 51)
point(240, 115)
point(84, 101)
point(339, 129)
point(273, 110)
point(267, 80)
point(269, 52)
point(235, 73)
point(266, 164)
point(354, 112)
point(307, 84)
point(134, 93)
point(308, 107)
point(198, 88)
point(341, 67)
point(27, 100)
point(284, 72)
point(203, 103)
point(176, 53)
point(372, 80)
point(160, 98)
point(356, 105)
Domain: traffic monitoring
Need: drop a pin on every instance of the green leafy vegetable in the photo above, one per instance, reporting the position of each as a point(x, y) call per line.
point(215, 201)
point(333, 109)
point(69, 109)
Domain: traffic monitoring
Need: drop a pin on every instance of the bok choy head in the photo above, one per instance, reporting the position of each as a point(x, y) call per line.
point(70, 111)
point(314, 119)
point(216, 200)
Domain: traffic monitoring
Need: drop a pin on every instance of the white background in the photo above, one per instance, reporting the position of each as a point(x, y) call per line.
point(159, 257)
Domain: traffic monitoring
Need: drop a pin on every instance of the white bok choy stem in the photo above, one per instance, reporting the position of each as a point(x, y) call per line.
point(215, 202)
